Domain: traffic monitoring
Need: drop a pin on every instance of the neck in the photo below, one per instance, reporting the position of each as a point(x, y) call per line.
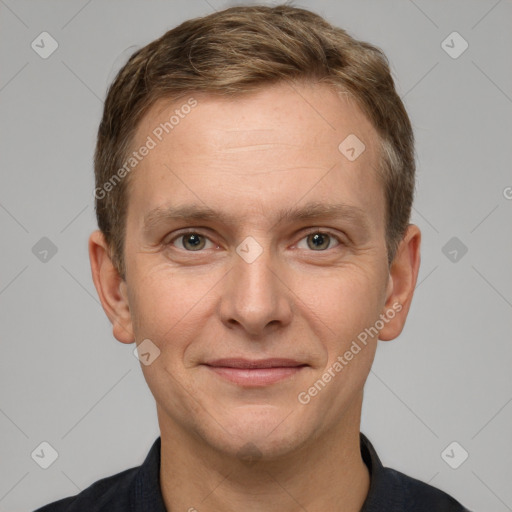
point(327, 474)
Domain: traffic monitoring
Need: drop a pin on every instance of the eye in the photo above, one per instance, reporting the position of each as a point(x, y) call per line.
point(191, 241)
point(319, 241)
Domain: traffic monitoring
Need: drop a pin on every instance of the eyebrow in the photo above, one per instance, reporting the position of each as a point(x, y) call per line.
point(308, 212)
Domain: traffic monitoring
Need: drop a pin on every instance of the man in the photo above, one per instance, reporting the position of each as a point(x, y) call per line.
point(254, 181)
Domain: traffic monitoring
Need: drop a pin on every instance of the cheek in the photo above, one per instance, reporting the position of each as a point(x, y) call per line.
point(346, 295)
point(165, 302)
point(343, 307)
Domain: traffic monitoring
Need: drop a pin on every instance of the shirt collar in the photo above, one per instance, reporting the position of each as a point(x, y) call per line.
point(384, 492)
point(145, 493)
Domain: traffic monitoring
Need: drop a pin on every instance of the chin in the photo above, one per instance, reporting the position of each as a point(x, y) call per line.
point(258, 432)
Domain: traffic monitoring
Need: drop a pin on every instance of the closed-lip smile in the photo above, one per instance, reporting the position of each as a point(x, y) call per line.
point(255, 372)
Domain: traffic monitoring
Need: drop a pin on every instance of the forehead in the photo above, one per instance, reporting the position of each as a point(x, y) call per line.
point(285, 140)
point(300, 114)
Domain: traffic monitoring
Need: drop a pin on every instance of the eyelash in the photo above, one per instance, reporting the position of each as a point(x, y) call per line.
point(198, 232)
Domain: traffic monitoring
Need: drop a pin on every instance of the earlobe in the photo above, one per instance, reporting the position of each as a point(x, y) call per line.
point(111, 288)
point(403, 275)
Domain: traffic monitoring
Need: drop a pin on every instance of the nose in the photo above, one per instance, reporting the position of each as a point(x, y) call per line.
point(256, 297)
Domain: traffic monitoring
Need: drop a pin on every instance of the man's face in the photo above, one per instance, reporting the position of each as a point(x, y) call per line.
point(250, 285)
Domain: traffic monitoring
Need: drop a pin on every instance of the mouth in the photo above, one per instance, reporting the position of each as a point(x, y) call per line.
point(255, 373)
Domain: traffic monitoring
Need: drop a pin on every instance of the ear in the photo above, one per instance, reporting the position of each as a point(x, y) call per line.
point(403, 274)
point(111, 288)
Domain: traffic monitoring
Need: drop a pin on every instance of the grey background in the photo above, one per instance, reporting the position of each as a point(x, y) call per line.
point(67, 381)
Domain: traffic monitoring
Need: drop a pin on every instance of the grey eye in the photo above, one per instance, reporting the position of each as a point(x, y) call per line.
point(192, 241)
point(318, 241)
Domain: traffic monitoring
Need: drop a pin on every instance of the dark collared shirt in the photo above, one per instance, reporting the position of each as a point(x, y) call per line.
point(138, 490)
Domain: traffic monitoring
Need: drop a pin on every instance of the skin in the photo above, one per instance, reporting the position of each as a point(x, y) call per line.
point(248, 158)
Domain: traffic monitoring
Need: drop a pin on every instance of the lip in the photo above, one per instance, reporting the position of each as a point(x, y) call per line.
point(255, 373)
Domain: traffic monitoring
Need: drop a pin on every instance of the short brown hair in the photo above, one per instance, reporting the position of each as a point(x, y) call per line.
point(239, 50)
